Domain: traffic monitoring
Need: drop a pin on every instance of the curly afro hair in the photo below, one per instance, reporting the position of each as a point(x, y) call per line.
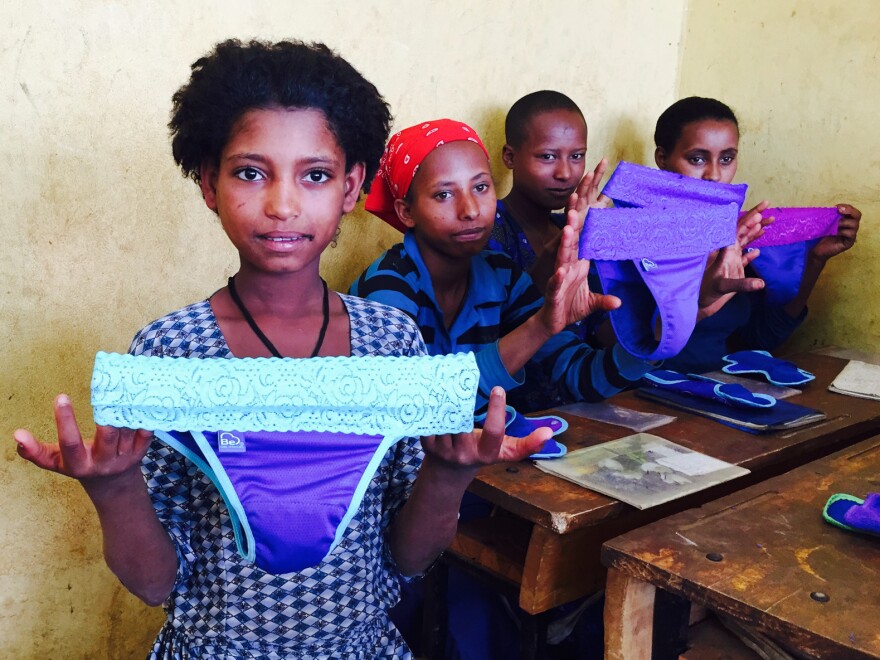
point(671, 123)
point(237, 77)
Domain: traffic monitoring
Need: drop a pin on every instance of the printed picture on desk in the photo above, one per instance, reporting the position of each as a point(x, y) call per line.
point(643, 470)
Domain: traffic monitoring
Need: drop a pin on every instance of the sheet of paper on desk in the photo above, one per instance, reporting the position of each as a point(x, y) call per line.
point(643, 470)
point(858, 379)
point(617, 415)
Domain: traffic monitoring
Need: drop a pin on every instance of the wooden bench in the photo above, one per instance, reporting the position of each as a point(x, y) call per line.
point(763, 556)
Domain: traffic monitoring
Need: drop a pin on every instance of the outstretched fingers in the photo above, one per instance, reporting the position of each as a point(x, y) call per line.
point(112, 452)
point(739, 284)
point(588, 188)
point(42, 455)
point(70, 442)
point(749, 256)
point(492, 434)
point(568, 246)
point(751, 224)
point(495, 446)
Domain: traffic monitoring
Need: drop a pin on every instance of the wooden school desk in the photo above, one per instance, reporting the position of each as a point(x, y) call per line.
point(543, 545)
point(764, 556)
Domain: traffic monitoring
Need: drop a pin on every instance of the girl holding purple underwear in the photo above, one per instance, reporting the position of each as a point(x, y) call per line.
point(435, 185)
point(699, 137)
point(545, 149)
point(281, 138)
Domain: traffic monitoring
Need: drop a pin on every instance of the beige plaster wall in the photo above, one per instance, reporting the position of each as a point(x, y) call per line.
point(802, 76)
point(100, 234)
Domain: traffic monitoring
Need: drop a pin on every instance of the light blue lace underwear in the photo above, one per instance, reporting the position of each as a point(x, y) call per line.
point(291, 444)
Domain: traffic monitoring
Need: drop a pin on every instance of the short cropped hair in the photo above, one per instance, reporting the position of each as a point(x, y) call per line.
point(236, 77)
point(522, 112)
point(671, 123)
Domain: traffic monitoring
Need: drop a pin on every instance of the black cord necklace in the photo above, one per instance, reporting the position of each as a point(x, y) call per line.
point(263, 338)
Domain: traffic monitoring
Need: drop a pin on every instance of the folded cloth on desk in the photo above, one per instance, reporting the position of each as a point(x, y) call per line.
point(858, 379)
point(783, 415)
point(704, 387)
point(651, 251)
point(753, 385)
point(775, 371)
point(853, 514)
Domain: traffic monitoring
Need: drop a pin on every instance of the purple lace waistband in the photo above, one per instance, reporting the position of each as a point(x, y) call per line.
point(637, 185)
point(681, 230)
point(793, 225)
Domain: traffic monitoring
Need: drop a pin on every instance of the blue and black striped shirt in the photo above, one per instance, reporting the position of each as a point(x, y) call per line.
point(500, 297)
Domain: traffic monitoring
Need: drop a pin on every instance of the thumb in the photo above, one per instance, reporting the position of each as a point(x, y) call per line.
point(605, 303)
point(517, 449)
point(739, 284)
point(30, 449)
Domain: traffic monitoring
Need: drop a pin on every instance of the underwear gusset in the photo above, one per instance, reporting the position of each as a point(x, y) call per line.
point(292, 511)
point(785, 245)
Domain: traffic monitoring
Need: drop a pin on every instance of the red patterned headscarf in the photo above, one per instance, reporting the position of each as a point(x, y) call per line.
point(405, 152)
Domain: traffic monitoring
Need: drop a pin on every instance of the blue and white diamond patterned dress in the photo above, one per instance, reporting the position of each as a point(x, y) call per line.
point(222, 608)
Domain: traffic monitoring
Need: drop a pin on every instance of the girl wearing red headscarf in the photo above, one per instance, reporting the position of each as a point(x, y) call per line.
point(434, 183)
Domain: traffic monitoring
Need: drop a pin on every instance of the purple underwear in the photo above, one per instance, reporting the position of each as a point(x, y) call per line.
point(312, 433)
point(785, 245)
point(653, 257)
point(289, 494)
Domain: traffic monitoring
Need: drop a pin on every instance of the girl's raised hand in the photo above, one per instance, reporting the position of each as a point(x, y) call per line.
point(751, 224)
point(847, 231)
point(111, 453)
point(586, 196)
point(725, 273)
point(485, 446)
point(568, 297)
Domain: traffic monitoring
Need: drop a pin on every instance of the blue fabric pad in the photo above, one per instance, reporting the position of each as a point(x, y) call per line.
point(778, 372)
point(708, 388)
point(782, 416)
point(853, 514)
point(519, 426)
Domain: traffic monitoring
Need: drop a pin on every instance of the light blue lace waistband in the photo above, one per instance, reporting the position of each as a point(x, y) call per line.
point(412, 396)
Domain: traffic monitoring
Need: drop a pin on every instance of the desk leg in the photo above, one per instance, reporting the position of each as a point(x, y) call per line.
point(671, 619)
point(533, 637)
point(434, 623)
point(629, 617)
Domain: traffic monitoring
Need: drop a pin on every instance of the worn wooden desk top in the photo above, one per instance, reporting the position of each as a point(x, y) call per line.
point(563, 507)
point(774, 556)
point(546, 536)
